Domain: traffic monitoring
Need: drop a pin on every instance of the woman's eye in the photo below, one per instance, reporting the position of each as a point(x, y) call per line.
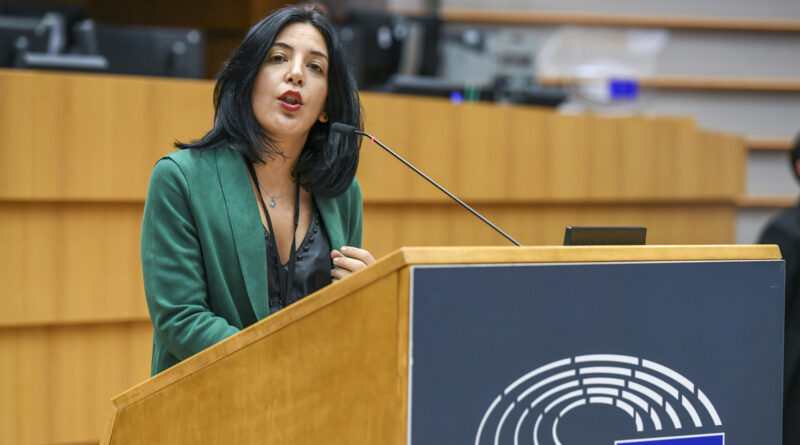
point(276, 58)
point(316, 67)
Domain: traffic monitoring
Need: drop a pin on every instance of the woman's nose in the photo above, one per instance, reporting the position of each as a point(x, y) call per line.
point(295, 76)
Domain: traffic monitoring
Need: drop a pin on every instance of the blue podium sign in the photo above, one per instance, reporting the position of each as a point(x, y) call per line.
point(703, 439)
point(679, 353)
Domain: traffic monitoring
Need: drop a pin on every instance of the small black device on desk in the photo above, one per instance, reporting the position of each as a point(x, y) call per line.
point(604, 236)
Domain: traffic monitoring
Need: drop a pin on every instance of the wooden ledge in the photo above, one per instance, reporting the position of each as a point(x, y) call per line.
point(434, 199)
point(56, 322)
point(767, 201)
point(575, 254)
point(769, 144)
point(731, 83)
point(519, 17)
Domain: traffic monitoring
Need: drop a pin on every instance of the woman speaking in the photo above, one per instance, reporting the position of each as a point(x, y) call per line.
point(265, 208)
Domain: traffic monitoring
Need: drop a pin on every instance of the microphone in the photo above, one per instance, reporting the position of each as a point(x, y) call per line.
point(339, 127)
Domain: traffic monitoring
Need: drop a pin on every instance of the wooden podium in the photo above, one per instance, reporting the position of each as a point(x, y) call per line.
point(336, 368)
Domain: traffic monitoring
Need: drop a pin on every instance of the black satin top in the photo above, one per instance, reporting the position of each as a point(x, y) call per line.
point(312, 270)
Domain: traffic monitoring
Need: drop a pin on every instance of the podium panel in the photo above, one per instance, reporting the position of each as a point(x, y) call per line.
point(500, 345)
point(685, 353)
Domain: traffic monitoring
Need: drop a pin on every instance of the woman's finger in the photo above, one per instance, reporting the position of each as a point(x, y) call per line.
point(350, 264)
point(360, 254)
point(348, 260)
point(338, 274)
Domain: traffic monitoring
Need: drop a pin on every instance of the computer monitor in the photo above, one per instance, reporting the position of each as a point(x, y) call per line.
point(152, 51)
point(20, 34)
point(379, 45)
point(605, 236)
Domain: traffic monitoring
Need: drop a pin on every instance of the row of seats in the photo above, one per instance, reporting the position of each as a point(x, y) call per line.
point(52, 41)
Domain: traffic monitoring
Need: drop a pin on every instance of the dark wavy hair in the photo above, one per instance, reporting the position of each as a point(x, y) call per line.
point(329, 160)
point(794, 156)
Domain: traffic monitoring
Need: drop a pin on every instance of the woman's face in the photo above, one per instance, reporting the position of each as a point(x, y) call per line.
point(292, 84)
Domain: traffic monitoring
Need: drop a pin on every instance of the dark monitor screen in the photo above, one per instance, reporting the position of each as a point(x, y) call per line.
point(379, 45)
point(153, 51)
point(12, 29)
point(604, 236)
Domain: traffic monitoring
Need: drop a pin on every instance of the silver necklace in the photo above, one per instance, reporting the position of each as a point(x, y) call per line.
point(272, 199)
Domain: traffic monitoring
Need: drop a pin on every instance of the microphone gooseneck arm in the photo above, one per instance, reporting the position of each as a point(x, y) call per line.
point(347, 128)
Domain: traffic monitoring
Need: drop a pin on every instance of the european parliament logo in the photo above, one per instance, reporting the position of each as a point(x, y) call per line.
point(662, 407)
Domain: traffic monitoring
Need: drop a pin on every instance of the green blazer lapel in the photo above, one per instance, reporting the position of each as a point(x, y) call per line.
point(332, 218)
point(246, 227)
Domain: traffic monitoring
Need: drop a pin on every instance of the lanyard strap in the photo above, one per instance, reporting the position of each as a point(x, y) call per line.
point(286, 283)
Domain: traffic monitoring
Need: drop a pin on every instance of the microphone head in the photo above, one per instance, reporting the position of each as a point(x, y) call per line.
point(339, 127)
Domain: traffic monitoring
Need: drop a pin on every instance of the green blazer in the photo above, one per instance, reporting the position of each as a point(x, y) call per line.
point(203, 251)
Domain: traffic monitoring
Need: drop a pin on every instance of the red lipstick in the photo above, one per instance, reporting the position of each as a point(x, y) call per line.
point(291, 100)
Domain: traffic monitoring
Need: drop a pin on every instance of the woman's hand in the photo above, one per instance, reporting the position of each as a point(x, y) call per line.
point(349, 260)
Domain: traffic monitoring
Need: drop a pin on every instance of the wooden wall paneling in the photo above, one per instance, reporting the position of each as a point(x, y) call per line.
point(541, 225)
point(150, 117)
point(569, 163)
point(380, 175)
point(660, 154)
point(57, 381)
point(604, 146)
point(81, 114)
point(701, 225)
point(92, 136)
point(421, 130)
point(17, 134)
point(436, 147)
point(380, 232)
point(69, 262)
point(709, 147)
point(636, 162)
point(183, 110)
point(719, 158)
point(94, 363)
point(666, 224)
point(24, 364)
point(71, 122)
point(717, 148)
point(170, 110)
point(718, 168)
point(586, 164)
point(732, 163)
point(388, 227)
point(526, 166)
point(674, 171)
point(661, 160)
point(481, 154)
point(685, 169)
point(27, 282)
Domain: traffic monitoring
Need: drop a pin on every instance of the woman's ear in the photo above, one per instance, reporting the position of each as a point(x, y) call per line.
point(323, 117)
